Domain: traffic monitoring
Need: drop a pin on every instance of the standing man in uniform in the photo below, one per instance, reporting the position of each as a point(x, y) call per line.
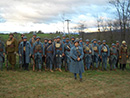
point(118, 48)
point(81, 42)
point(113, 57)
point(22, 35)
point(67, 48)
point(104, 53)
point(44, 58)
point(49, 55)
point(76, 54)
point(25, 53)
point(63, 39)
point(2, 55)
point(72, 41)
point(88, 52)
point(96, 53)
point(59, 53)
point(99, 59)
point(32, 41)
point(123, 55)
point(11, 50)
point(38, 52)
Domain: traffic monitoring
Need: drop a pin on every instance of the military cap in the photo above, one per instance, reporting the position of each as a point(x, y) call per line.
point(38, 37)
point(34, 34)
point(63, 36)
point(113, 44)
point(76, 41)
point(72, 37)
point(94, 39)
point(99, 41)
point(58, 37)
point(45, 38)
point(104, 41)
point(11, 34)
point(87, 40)
point(22, 34)
point(24, 37)
point(49, 39)
point(80, 39)
point(123, 42)
point(67, 38)
point(117, 41)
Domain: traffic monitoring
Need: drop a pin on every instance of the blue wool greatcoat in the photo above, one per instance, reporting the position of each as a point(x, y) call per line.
point(49, 56)
point(87, 54)
point(67, 46)
point(76, 66)
point(2, 47)
point(113, 55)
point(27, 52)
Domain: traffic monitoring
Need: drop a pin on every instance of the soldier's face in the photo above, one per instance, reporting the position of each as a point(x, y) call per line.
point(76, 44)
point(58, 39)
point(80, 40)
point(24, 40)
point(117, 43)
point(87, 42)
point(67, 41)
point(113, 46)
point(104, 43)
point(72, 39)
point(95, 42)
point(38, 39)
point(63, 37)
point(99, 43)
point(49, 41)
point(45, 41)
point(22, 36)
point(34, 36)
point(11, 36)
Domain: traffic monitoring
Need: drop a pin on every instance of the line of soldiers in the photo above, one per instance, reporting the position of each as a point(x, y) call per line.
point(53, 54)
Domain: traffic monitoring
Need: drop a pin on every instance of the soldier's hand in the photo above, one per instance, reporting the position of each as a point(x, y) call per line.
point(20, 55)
point(15, 52)
point(78, 59)
point(30, 55)
point(63, 54)
point(119, 57)
point(33, 56)
point(127, 56)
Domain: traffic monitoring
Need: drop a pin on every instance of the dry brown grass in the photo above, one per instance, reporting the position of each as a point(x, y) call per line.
point(96, 84)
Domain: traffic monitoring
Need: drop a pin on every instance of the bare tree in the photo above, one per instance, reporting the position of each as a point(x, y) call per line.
point(123, 13)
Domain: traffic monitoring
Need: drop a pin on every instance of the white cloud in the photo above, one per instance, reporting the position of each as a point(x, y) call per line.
point(25, 15)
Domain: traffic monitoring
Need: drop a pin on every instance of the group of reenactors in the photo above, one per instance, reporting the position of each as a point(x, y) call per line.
point(54, 54)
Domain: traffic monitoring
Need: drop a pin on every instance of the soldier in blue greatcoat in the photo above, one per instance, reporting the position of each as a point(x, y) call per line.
point(67, 47)
point(25, 53)
point(38, 52)
point(77, 65)
point(113, 57)
point(59, 53)
point(88, 52)
point(49, 55)
point(104, 53)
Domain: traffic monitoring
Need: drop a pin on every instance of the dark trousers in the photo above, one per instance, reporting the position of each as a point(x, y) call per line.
point(123, 66)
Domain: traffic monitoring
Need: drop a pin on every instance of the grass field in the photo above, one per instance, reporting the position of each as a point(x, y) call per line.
point(96, 84)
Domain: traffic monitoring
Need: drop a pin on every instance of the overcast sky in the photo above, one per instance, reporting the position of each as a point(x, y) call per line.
point(47, 15)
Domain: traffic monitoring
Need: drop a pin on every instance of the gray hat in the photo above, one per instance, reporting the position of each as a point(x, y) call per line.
point(38, 37)
point(80, 39)
point(87, 40)
point(117, 41)
point(94, 39)
point(67, 38)
point(72, 37)
point(49, 39)
point(63, 36)
point(113, 44)
point(58, 37)
point(35, 34)
point(45, 38)
point(76, 41)
point(24, 37)
point(104, 41)
point(99, 41)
